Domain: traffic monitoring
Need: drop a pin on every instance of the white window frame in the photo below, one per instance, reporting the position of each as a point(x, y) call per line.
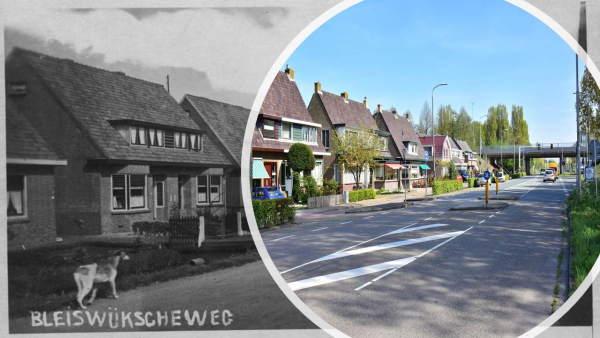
point(209, 187)
point(128, 189)
point(269, 128)
point(25, 210)
point(283, 125)
point(157, 183)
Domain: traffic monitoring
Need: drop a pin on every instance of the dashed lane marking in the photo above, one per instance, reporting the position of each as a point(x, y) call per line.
point(278, 239)
point(481, 221)
point(346, 222)
point(319, 229)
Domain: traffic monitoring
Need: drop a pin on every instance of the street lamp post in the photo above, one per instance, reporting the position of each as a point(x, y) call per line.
point(480, 140)
point(472, 124)
point(501, 141)
point(561, 155)
point(432, 128)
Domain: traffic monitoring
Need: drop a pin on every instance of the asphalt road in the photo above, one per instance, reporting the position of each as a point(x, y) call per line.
point(426, 271)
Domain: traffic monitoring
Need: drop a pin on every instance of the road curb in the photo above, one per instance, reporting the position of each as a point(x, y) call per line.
point(372, 209)
point(500, 198)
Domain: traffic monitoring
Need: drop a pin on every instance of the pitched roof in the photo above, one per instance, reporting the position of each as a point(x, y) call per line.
point(439, 140)
point(464, 145)
point(454, 143)
point(22, 140)
point(284, 100)
point(94, 97)
point(227, 121)
point(402, 131)
point(341, 111)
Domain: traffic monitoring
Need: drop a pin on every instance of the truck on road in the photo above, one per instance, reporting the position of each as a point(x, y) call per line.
point(554, 166)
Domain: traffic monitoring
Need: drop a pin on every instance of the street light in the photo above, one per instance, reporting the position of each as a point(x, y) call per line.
point(480, 140)
point(473, 131)
point(561, 155)
point(501, 141)
point(432, 128)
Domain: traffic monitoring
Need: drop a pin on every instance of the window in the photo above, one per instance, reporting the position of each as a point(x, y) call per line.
point(383, 143)
point(269, 128)
point(15, 186)
point(160, 194)
point(325, 138)
point(412, 148)
point(309, 134)
point(210, 189)
point(336, 173)
point(405, 173)
point(348, 177)
point(391, 174)
point(155, 137)
point(137, 135)
point(286, 131)
point(379, 173)
point(317, 172)
point(128, 192)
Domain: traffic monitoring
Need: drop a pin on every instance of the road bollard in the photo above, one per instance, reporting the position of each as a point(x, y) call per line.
point(487, 193)
point(497, 182)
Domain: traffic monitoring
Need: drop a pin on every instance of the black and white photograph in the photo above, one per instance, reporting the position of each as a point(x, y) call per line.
point(307, 168)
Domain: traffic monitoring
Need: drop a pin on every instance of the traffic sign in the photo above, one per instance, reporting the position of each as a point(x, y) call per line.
point(426, 156)
point(486, 175)
point(589, 173)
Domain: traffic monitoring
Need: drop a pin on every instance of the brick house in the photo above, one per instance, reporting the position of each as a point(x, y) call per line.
point(457, 154)
point(469, 156)
point(282, 121)
point(403, 140)
point(30, 182)
point(133, 154)
point(230, 122)
point(337, 113)
point(441, 144)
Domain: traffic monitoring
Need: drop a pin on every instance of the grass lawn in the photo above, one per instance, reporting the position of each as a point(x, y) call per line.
point(585, 231)
point(42, 279)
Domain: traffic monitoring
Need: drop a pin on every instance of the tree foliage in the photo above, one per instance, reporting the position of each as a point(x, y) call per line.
point(357, 150)
point(423, 128)
point(301, 158)
point(589, 104)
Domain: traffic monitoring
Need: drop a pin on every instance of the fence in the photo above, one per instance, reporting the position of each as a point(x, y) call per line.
point(184, 231)
point(188, 231)
point(325, 201)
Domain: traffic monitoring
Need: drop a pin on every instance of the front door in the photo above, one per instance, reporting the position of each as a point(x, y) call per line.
point(271, 168)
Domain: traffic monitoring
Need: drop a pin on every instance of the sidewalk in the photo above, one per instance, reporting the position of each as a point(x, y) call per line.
point(381, 202)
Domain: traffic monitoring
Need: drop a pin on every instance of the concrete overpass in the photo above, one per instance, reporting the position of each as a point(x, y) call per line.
point(526, 152)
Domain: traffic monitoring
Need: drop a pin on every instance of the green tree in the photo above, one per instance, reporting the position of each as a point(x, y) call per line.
point(301, 157)
point(589, 104)
point(423, 128)
point(445, 120)
point(357, 150)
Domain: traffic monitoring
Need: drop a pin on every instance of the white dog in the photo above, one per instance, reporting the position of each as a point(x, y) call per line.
point(88, 275)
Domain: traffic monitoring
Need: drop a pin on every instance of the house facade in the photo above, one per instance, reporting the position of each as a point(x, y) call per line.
point(339, 114)
point(282, 121)
point(133, 153)
point(30, 183)
point(470, 157)
point(442, 147)
point(405, 147)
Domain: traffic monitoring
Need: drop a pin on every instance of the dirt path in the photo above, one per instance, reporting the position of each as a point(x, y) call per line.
point(243, 297)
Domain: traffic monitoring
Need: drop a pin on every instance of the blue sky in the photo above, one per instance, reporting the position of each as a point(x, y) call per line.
point(489, 52)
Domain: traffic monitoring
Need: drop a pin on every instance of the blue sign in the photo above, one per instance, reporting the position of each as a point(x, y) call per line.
point(486, 175)
point(426, 156)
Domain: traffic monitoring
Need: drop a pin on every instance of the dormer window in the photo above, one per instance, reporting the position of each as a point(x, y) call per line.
point(156, 137)
point(269, 128)
point(137, 135)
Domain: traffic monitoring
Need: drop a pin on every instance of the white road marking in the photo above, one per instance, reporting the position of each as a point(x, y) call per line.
point(385, 274)
point(385, 246)
point(343, 275)
point(319, 229)
point(387, 212)
point(367, 217)
point(481, 221)
point(278, 239)
point(441, 213)
point(491, 216)
point(346, 222)
point(497, 212)
point(427, 219)
point(362, 286)
point(401, 230)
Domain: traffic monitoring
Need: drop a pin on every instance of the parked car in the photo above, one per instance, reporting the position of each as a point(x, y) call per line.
point(501, 177)
point(549, 176)
point(266, 193)
point(465, 175)
point(480, 180)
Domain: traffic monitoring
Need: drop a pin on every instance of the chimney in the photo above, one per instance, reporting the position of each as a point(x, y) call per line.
point(395, 112)
point(366, 102)
point(379, 108)
point(318, 87)
point(344, 95)
point(289, 72)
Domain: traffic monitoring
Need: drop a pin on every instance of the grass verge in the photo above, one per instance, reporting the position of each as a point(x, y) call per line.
point(43, 281)
point(585, 236)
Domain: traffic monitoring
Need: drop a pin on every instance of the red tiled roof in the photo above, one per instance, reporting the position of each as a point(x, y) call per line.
point(94, 96)
point(284, 100)
point(341, 111)
point(22, 140)
point(439, 143)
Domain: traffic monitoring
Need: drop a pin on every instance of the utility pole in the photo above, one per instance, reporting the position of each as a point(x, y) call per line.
point(472, 122)
point(582, 39)
point(168, 85)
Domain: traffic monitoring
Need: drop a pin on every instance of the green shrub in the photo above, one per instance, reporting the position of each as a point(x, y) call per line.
point(297, 191)
point(442, 187)
point(330, 187)
point(269, 213)
point(360, 195)
point(472, 182)
point(310, 185)
point(301, 158)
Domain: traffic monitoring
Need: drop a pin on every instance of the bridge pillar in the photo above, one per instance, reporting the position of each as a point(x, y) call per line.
point(527, 165)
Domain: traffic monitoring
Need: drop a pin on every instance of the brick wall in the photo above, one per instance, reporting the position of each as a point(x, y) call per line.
point(39, 225)
point(319, 115)
point(77, 190)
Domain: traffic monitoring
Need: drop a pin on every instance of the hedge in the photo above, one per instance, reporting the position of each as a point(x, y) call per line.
point(269, 213)
point(442, 187)
point(518, 175)
point(359, 195)
point(472, 182)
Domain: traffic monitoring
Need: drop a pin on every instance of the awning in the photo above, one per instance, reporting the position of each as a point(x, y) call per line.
point(258, 169)
point(425, 166)
point(394, 165)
